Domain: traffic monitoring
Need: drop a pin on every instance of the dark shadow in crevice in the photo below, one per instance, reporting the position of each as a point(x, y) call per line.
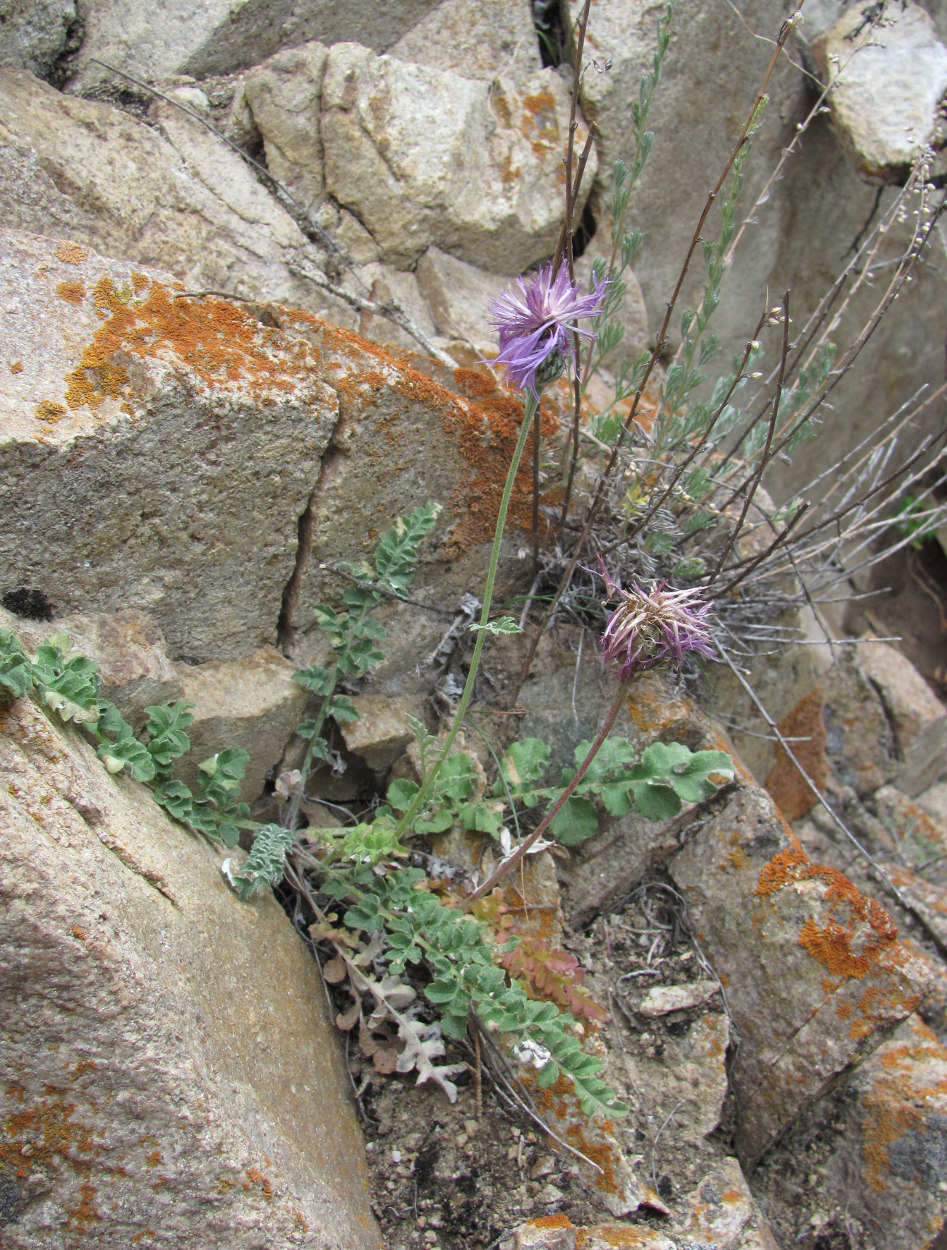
point(584, 232)
point(552, 32)
point(26, 602)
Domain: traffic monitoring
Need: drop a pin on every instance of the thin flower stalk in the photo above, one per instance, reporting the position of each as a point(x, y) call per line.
point(523, 849)
point(648, 629)
point(530, 407)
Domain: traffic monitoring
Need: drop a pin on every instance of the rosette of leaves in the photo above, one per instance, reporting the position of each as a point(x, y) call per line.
point(656, 785)
point(416, 929)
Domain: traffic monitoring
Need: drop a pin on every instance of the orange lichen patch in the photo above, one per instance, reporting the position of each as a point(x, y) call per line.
point(619, 1235)
point(475, 382)
point(139, 282)
point(856, 940)
point(71, 292)
point(85, 1213)
point(71, 253)
point(49, 1129)
point(17, 366)
point(145, 1235)
point(509, 171)
point(484, 431)
point(255, 1175)
point(893, 1107)
point(831, 944)
point(786, 866)
point(559, 1220)
point(602, 1155)
point(486, 436)
point(48, 410)
point(217, 343)
point(78, 933)
point(651, 708)
point(805, 729)
point(540, 123)
point(590, 1138)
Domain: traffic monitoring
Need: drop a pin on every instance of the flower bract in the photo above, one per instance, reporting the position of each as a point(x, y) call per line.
point(655, 626)
point(535, 325)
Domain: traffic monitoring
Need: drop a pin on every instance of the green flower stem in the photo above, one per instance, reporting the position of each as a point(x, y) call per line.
point(523, 849)
point(530, 408)
point(292, 813)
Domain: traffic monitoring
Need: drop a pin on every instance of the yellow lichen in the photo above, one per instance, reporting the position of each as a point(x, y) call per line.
point(71, 292)
point(71, 253)
point(48, 410)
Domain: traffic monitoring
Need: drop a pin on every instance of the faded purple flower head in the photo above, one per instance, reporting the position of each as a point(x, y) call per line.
point(654, 627)
point(535, 327)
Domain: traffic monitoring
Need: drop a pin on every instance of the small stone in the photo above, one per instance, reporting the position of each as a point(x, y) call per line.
point(381, 732)
point(663, 999)
point(545, 1165)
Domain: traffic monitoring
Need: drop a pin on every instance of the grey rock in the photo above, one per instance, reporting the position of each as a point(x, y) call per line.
point(662, 1000)
point(724, 1213)
point(925, 762)
point(156, 453)
point(860, 742)
point(385, 285)
point(284, 95)
point(622, 37)
point(606, 869)
point(910, 703)
point(934, 801)
point(425, 156)
point(403, 440)
point(890, 1131)
point(887, 79)
point(381, 733)
point(791, 695)
point(474, 40)
point(457, 295)
point(168, 1059)
point(35, 33)
point(176, 37)
point(793, 238)
point(919, 833)
point(815, 975)
point(180, 200)
point(251, 703)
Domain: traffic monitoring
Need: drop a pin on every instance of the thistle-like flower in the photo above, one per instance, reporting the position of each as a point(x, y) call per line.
point(535, 327)
point(654, 627)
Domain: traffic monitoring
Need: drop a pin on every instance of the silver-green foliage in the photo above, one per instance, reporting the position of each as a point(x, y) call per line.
point(69, 686)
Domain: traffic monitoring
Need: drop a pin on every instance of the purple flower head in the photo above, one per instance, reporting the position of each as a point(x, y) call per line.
point(654, 627)
point(535, 327)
